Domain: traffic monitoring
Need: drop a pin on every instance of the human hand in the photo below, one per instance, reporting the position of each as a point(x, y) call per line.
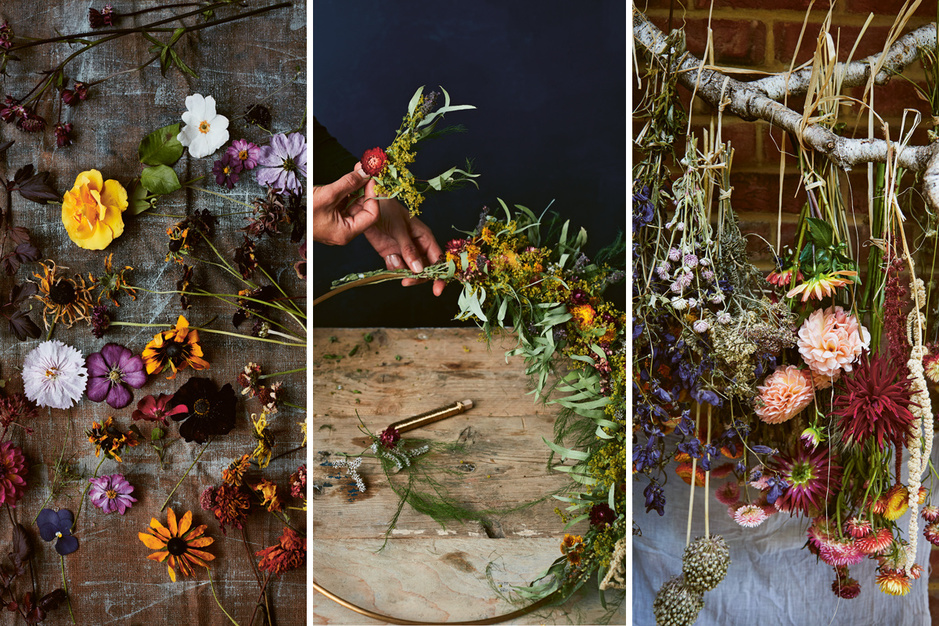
point(336, 221)
point(404, 241)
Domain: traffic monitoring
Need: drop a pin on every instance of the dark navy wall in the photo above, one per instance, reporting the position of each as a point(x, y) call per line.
point(548, 79)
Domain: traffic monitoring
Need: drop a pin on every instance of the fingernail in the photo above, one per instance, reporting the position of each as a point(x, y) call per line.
point(416, 266)
point(394, 261)
point(362, 173)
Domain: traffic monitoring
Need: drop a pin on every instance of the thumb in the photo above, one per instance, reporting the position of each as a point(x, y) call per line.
point(349, 183)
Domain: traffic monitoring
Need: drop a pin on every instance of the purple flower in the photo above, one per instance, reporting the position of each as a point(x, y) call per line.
point(279, 163)
point(111, 493)
point(111, 371)
point(243, 154)
point(226, 171)
point(58, 525)
point(601, 515)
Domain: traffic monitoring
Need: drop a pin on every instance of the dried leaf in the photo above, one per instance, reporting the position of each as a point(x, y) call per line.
point(51, 600)
point(20, 549)
point(21, 292)
point(19, 234)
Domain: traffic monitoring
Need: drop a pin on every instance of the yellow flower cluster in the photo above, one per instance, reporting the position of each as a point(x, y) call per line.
point(401, 154)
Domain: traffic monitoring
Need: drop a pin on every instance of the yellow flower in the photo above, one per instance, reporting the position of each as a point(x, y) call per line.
point(265, 439)
point(91, 211)
point(269, 495)
point(822, 285)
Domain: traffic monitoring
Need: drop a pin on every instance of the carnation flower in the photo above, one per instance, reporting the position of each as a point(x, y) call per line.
point(812, 478)
point(205, 131)
point(784, 394)
point(111, 371)
point(874, 401)
point(91, 211)
point(13, 478)
point(749, 516)
point(831, 340)
point(373, 161)
point(54, 375)
point(281, 161)
point(111, 493)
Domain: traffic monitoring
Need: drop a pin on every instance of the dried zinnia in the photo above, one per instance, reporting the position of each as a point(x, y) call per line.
point(288, 554)
point(177, 543)
point(54, 375)
point(91, 211)
point(111, 493)
point(231, 505)
point(111, 372)
point(784, 394)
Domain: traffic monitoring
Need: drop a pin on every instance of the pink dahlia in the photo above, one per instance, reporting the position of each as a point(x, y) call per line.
point(12, 473)
point(728, 493)
point(812, 479)
point(830, 341)
point(784, 394)
point(873, 401)
point(750, 516)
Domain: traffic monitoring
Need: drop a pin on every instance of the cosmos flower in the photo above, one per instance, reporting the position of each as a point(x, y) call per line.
point(153, 409)
point(211, 411)
point(873, 402)
point(281, 162)
point(111, 372)
point(205, 131)
point(243, 154)
point(226, 172)
point(54, 375)
point(812, 477)
point(784, 394)
point(111, 493)
point(177, 543)
point(830, 341)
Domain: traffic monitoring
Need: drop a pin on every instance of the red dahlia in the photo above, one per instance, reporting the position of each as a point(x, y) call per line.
point(373, 161)
point(873, 401)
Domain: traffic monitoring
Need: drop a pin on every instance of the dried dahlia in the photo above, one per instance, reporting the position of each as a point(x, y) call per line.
point(874, 400)
point(784, 394)
point(812, 479)
point(893, 582)
point(830, 341)
point(12, 473)
point(750, 516)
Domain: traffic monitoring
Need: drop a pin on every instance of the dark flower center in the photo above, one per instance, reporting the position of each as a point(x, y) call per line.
point(174, 351)
point(201, 407)
point(289, 165)
point(176, 546)
point(62, 292)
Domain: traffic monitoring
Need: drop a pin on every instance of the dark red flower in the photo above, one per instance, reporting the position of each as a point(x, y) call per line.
point(601, 515)
point(289, 553)
point(32, 122)
point(373, 161)
point(211, 411)
point(63, 135)
point(389, 437)
point(812, 477)
point(873, 400)
point(6, 36)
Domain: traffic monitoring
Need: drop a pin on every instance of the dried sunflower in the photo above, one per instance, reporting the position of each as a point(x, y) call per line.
point(63, 298)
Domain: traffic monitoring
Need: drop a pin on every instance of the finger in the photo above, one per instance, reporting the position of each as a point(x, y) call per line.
point(350, 183)
point(362, 220)
point(438, 287)
point(394, 262)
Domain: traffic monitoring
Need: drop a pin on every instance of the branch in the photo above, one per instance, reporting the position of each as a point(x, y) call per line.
point(752, 103)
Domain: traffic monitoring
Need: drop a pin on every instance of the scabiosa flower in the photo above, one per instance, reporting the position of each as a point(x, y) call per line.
point(226, 172)
point(175, 348)
point(288, 554)
point(100, 320)
point(12, 473)
point(373, 161)
point(389, 437)
point(893, 582)
point(784, 394)
point(111, 372)
point(830, 341)
point(205, 131)
point(873, 402)
point(812, 477)
point(281, 161)
point(243, 154)
point(601, 515)
point(211, 411)
point(111, 493)
point(177, 543)
point(54, 375)
point(57, 525)
point(750, 516)
point(153, 409)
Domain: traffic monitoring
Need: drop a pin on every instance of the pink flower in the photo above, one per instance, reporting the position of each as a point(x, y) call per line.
point(154, 409)
point(749, 516)
point(111, 493)
point(728, 493)
point(784, 394)
point(13, 469)
point(830, 341)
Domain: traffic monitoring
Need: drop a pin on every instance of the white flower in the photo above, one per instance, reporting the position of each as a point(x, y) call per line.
point(205, 130)
point(54, 375)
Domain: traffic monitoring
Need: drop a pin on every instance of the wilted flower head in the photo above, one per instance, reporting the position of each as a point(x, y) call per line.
point(289, 553)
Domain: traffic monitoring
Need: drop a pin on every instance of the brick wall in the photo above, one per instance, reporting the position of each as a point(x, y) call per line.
point(762, 36)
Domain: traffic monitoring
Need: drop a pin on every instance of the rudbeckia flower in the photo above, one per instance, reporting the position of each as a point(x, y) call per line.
point(91, 211)
point(205, 131)
point(174, 348)
point(177, 543)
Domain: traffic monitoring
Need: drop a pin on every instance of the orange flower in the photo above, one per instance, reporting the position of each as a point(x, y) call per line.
point(177, 543)
point(584, 315)
point(684, 471)
point(893, 582)
point(174, 348)
point(821, 285)
point(268, 492)
point(898, 501)
point(784, 394)
point(91, 211)
point(288, 554)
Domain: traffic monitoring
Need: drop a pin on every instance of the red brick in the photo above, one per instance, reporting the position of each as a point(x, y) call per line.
point(879, 7)
point(737, 42)
point(760, 193)
point(742, 137)
point(892, 98)
point(786, 35)
point(777, 5)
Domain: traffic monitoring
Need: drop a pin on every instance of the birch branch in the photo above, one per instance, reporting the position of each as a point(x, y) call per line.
point(752, 101)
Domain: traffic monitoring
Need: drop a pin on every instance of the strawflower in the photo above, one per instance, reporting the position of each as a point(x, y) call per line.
point(13, 479)
point(750, 516)
point(243, 154)
point(57, 525)
point(175, 348)
point(177, 543)
point(91, 211)
point(211, 411)
point(280, 163)
point(875, 543)
point(205, 131)
point(54, 375)
point(288, 554)
point(111, 372)
point(153, 409)
point(897, 501)
point(111, 493)
point(373, 161)
point(784, 394)
point(893, 582)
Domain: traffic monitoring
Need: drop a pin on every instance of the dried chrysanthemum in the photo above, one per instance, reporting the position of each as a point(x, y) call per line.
point(231, 505)
point(288, 554)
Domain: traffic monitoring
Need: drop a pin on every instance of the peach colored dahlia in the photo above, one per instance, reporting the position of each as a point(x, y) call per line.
point(784, 394)
point(830, 341)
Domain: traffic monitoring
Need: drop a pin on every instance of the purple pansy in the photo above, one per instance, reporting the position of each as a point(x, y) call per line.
point(111, 493)
point(111, 371)
point(244, 154)
point(281, 161)
point(58, 525)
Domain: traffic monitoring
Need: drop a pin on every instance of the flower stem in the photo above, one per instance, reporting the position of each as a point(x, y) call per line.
point(58, 465)
point(221, 195)
point(294, 406)
point(217, 332)
point(286, 453)
point(85, 492)
point(68, 598)
point(258, 603)
point(284, 373)
point(214, 595)
point(188, 469)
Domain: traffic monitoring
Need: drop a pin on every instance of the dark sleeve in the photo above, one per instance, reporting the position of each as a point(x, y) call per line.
point(330, 160)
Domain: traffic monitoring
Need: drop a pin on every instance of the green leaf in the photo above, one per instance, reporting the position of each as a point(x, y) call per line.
point(160, 180)
point(139, 200)
point(412, 105)
point(820, 232)
point(161, 147)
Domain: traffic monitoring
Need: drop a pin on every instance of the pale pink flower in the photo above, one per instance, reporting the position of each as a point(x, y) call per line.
point(784, 394)
point(728, 493)
point(750, 516)
point(830, 341)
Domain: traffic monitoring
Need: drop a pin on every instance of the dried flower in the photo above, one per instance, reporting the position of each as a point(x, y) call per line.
point(893, 582)
point(54, 375)
point(226, 172)
point(601, 515)
point(749, 516)
point(175, 348)
point(63, 135)
point(14, 470)
point(64, 299)
point(243, 154)
point(389, 437)
point(231, 505)
point(258, 115)
point(269, 494)
point(109, 439)
point(298, 482)
point(111, 493)
point(373, 161)
point(113, 282)
point(100, 320)
point(784, 394)
point(177, 543)
point(235, 472)
point(264, 449)
point(288, 554)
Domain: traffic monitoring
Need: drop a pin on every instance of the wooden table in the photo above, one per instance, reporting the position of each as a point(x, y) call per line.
point(427, 572)
point(240, 63)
